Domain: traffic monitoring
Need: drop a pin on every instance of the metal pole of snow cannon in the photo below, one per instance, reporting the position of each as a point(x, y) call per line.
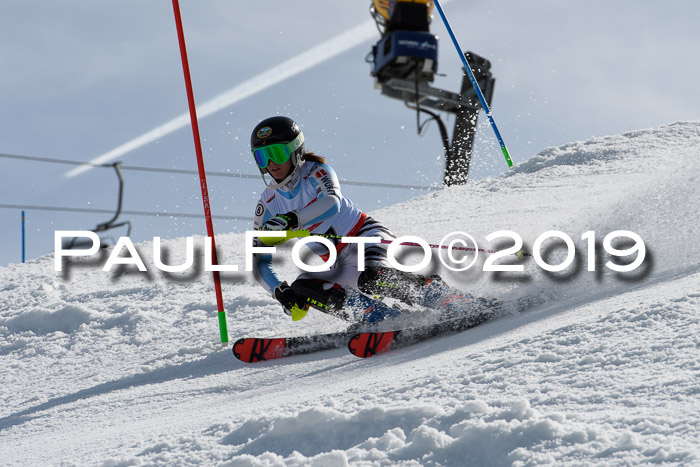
point(223, 331)
point(472, 78)
point(23, 222)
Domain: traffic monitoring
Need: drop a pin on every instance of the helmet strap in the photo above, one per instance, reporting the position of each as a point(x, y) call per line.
point(297, 163)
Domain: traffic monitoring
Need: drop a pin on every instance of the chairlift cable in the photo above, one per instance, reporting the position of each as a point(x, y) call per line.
point(194, 172)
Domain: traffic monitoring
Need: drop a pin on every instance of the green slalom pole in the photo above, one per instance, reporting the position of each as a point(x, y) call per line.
point(472, 78)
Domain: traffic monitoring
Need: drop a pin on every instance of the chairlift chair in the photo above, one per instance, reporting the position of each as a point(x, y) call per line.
point(81, 242)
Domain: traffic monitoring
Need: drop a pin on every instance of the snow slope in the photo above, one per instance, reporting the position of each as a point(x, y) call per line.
point(124, 369)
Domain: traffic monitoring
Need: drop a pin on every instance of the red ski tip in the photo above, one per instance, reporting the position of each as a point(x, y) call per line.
point(252, 350)
point(367, 344)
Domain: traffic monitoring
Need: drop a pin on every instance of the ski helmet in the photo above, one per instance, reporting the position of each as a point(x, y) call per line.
point(278, 139)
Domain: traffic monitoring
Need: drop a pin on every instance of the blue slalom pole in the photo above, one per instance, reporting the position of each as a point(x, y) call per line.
point(472, 78)
point(23, 236)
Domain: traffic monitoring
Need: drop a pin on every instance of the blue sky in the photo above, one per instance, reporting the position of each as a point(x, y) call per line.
point(80, 78)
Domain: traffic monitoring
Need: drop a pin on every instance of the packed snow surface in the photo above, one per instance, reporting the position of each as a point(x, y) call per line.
point(124, 368)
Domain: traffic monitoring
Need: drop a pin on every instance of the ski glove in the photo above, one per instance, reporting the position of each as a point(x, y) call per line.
point(286, 221)
point(293, 303)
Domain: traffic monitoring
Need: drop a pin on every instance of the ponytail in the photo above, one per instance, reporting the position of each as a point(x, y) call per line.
point(311, 157)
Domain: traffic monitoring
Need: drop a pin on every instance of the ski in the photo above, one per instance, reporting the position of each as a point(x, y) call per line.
point(363, 340)
point(255, 349)
point(367, 344)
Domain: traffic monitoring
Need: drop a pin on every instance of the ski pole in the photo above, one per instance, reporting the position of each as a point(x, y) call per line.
point(519, 254)
point(290, 234)
point(472, 78)
point(23, 222)
point(443, 247)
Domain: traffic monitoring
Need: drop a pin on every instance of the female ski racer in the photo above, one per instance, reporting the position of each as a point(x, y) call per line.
point(303, 193)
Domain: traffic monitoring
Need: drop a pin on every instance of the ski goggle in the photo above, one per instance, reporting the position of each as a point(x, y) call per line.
point(278, 153)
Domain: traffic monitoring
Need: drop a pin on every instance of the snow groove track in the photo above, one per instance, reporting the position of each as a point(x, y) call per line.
point(122, 370)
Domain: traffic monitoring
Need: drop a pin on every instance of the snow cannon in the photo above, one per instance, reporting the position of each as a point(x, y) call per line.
point(404, 63)
point(406, 50)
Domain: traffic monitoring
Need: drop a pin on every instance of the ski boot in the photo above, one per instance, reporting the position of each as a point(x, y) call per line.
point(437, 295)
point(417, 290)
point(348, 305)
point(368, 310)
